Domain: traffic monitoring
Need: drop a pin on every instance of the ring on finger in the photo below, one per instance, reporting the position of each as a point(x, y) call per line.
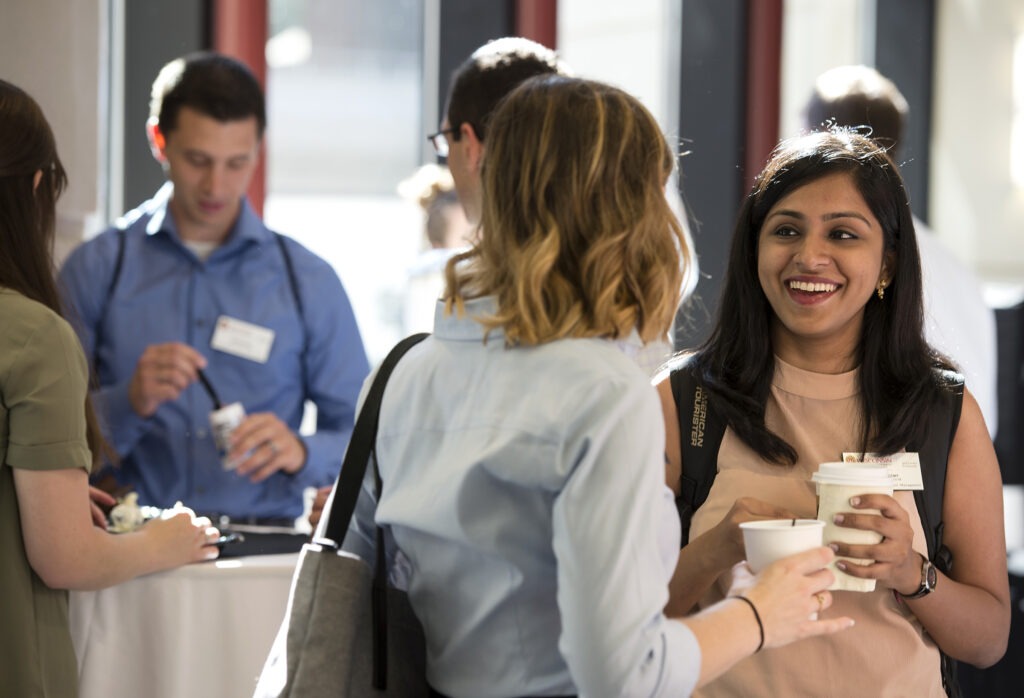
point(273, 447)
point(820, 598)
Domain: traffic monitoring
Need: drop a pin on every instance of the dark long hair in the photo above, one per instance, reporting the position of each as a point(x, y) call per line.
point(28, 212)
point(897, 379)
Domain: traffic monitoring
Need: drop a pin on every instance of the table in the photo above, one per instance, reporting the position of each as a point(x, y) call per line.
point(200, 630)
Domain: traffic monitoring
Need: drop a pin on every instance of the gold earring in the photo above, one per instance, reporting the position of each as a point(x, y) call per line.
point(881, 290)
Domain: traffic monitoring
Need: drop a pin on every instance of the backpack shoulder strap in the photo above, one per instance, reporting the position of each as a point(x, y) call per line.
point(943, 420)
point(701, 429)
point(121, 231)
point(293, 282)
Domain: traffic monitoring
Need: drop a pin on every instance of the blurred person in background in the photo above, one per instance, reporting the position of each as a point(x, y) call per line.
point(192, 280)
point(446, 232)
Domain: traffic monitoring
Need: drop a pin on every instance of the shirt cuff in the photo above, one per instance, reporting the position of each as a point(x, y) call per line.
point(324, 451)
point(682, 660)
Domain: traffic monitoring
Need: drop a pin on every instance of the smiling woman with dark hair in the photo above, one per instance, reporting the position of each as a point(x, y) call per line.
point(819, 352)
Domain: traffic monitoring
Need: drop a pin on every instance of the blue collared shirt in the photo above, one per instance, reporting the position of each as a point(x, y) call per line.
point(164, 293)
point(525, 510)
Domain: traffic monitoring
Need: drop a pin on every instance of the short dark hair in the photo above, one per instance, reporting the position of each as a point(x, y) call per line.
point(213, 84)
point(855, 96)
point(491, 73)
point(896, 361)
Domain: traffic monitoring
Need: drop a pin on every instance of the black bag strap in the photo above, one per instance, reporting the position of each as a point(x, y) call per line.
point(346, 493)
point(360, 446)
point(701, 429)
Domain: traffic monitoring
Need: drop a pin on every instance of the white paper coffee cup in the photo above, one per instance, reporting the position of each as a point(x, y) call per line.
point(768, 541)
point(222, 423)
point(836, 484)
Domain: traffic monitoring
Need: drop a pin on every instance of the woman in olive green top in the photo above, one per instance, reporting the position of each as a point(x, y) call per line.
point(48, 435)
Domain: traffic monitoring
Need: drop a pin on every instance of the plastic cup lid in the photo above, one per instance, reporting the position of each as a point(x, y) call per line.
point(852, 474)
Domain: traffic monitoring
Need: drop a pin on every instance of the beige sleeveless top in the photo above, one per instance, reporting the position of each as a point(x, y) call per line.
point(887, 653)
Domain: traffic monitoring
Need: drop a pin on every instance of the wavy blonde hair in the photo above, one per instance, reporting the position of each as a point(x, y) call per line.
point(578, 238)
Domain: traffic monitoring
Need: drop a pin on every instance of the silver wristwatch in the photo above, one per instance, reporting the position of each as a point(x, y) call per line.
point(928, 578)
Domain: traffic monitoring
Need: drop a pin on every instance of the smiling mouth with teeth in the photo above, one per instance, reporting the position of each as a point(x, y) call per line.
point(808, 287)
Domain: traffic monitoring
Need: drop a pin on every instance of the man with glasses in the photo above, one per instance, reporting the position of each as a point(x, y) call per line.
point(190, 300)
point(476, 88)
point(483, 79)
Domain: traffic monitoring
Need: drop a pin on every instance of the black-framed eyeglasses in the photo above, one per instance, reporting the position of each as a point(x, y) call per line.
point(440, 140)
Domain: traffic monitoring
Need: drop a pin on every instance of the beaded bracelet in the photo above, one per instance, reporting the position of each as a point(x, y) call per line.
point(757, 617)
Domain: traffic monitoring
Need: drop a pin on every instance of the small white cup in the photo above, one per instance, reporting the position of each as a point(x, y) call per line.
point(836, 484)
point(222, 423)
point(768, 541)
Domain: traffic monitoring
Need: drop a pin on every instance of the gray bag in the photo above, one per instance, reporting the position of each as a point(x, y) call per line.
point(346, 632)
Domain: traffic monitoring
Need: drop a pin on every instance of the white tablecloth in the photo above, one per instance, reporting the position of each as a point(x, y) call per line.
point(199, 630)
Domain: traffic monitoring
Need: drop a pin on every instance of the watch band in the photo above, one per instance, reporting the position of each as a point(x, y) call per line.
point(929, 577)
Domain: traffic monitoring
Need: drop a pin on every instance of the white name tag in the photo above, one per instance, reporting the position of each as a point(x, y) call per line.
point(243, 339)
point(904, 468)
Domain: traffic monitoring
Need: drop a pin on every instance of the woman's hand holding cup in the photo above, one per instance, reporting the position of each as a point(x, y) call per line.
point(788, 595)
point(892, 561)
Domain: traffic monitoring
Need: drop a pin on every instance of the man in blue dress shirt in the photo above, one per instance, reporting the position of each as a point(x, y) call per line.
point(192, 285)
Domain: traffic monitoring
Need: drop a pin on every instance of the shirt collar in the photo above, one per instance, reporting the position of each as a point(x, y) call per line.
point(467, 328)
point(817, 386)
point(248, 227)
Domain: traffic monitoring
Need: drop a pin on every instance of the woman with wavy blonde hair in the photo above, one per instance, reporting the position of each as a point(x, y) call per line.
point(521, 449)
point(581, 240)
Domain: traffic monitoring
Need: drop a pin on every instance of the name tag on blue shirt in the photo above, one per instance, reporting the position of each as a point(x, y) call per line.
point(243, 339)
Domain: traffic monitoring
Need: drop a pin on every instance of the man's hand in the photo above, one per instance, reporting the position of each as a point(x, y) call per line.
point(263, 444)
point(319, 502)
point(163, 372)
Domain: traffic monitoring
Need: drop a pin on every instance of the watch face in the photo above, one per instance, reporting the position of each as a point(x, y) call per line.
point(930, 576)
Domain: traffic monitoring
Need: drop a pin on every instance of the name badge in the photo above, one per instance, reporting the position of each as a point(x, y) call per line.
point(244, 339)
point(904, 468)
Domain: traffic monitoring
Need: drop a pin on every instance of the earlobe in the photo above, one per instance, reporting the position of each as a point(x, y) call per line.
point(888, 268)
point(157, 142)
